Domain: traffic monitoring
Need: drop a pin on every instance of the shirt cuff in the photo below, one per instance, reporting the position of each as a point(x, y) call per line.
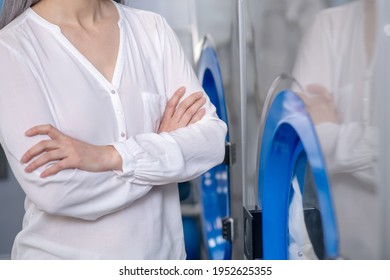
point(133, 154)
point(127, 150)
point(327, 133)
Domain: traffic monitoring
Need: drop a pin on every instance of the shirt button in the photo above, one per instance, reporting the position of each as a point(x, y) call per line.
point(113, 91)
point(119, 112)
point(123, 134)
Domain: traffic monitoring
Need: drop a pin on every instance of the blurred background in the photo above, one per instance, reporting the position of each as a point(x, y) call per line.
point(332, 202)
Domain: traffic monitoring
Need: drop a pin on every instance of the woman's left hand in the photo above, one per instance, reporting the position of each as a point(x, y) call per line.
point(66, 152)
point(180, 114)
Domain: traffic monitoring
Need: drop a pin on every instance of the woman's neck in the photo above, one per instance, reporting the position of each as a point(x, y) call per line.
point(73, 12)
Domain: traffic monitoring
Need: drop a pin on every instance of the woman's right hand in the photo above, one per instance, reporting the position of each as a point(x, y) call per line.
point(65, 152)
point(181, 114)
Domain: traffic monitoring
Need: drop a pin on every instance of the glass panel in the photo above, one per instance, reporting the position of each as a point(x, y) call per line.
point(218, 20)
point(274, 31)
point(383, 70)
point(336, 67)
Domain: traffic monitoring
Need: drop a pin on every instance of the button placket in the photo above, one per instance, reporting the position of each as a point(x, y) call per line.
point(120, 118)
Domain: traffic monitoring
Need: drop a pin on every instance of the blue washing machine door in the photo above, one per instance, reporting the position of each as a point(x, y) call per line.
point(214, 184)
point(289, 147)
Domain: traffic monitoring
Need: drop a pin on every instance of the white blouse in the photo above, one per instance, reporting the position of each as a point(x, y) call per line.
point(333, 54)
point(76, 214)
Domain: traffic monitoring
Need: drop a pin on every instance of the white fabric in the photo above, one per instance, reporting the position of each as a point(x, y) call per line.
point(333, 55)
point(300, 246)
point(75, 214)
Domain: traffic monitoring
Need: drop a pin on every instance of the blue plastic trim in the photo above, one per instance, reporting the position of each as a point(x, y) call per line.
point(214, 184)
point(288, 132)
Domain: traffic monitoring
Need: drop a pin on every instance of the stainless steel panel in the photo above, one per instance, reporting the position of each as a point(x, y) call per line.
point(383, 68)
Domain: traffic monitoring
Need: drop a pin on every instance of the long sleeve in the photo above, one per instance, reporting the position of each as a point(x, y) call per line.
point(74, 192)
point(185, 153)
point(350, 148)
point(325, 58)
point(29, 98)
point(133, 214)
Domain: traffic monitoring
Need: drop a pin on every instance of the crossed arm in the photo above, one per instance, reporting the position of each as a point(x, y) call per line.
point(79, 180)
point(67, 152)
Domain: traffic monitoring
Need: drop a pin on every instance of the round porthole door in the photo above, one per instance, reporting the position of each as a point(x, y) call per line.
point(298, 219)
point(214, 184)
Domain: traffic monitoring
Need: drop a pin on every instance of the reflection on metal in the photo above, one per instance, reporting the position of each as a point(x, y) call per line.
point(274, 30)
point(283, 81)
point(288, 132)
point(243, 86)
point(383, 69)
point(218, 227)
point(305, 229)
point(272, 92)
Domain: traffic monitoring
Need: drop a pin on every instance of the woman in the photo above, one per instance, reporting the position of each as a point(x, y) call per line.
point(90, 135)
point(336, 63)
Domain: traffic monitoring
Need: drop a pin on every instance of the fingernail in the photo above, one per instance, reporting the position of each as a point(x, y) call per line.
point(182, 89)
point(28, 132)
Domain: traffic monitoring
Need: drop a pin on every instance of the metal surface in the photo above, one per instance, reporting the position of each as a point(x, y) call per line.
point(214, 184)
point(223, 27)
point(288, 133)
point(274, 30)
point(282, 82)
point(383, 68)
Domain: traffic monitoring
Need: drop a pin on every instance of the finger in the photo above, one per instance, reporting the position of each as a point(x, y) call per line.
point(320, 91)
point(198, 116)
point(46, 129)
point(44, 159)
point(173, 102)
point(316, 89)
point(41, 147)
point(304, 98)
point(191, 111)
point(55, 168)
point(185, 104)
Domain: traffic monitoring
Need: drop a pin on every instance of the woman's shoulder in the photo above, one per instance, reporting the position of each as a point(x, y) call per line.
point(13, 30)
